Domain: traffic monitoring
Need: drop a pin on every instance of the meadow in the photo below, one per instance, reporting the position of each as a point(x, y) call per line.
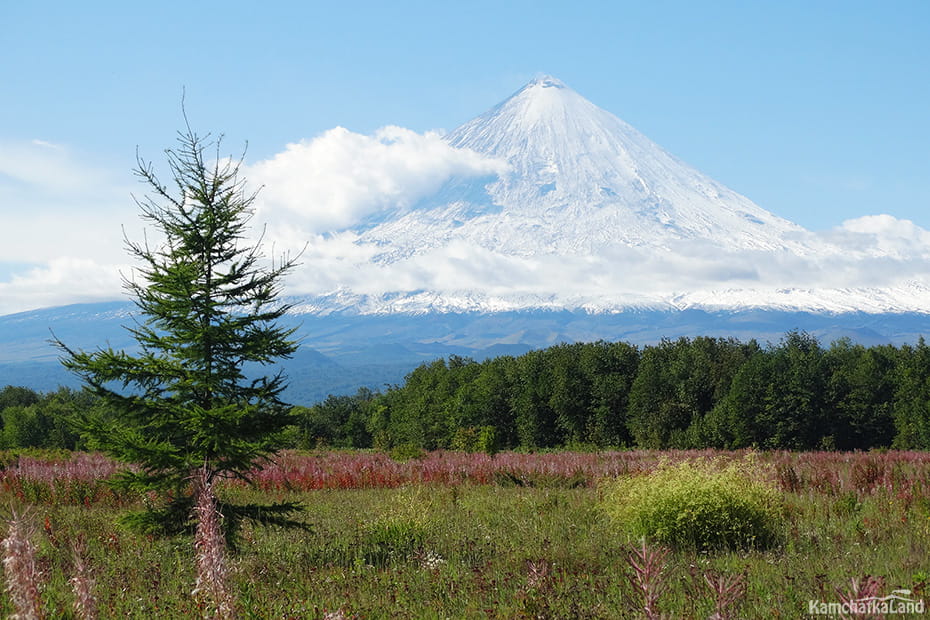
point(458, 535)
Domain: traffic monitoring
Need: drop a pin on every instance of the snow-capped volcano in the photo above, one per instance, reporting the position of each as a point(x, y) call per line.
point(578, 180)
point(548, 201)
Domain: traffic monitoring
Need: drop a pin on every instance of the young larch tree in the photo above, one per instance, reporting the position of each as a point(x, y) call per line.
point(184, 408)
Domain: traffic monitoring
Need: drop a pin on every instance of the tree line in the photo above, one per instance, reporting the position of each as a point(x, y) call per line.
point(30, 419)
point(701, 392)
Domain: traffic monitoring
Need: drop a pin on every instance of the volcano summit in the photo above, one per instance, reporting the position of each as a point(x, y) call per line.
point(579, 181)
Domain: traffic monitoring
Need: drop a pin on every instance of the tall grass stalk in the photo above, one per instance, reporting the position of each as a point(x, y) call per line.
point(864, 588)
point(726, 590)
point(212, 567)
point(85, 603)
point(648, 578)
point(19, 567)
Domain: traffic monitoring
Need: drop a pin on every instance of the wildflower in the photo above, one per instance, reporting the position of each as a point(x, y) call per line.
point(212, 570)
point(85, 604)
point(19, 566)
point(430, 560)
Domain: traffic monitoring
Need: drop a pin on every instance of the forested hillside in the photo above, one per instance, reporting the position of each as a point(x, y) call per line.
point(686, 393)
point(34, 420)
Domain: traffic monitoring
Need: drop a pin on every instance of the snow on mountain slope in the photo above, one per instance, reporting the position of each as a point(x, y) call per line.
point(580, 180)
point(909, 298)
point(565, 206)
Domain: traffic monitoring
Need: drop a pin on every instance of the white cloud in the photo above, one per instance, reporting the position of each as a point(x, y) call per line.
point(61, 281)
point(61, 226)
point(886, 235)
point(53, 169)
point(339, 178)
point(619, 273)
point(53, 203)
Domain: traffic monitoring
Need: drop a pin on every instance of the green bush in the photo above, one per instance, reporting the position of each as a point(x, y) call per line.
point(406, 452)
point(391, 539)
point(697, 504)
point(397, 532)
point(475, 439)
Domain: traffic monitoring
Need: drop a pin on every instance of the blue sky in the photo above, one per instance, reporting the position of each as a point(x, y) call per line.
point(817, 111)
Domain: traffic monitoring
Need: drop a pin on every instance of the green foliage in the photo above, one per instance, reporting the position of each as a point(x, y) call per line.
point(23, 427)
point(475, 439)
point(911, 407)
point(338, 421)
point(860, 393)
point(701, 505)
point(484, 402)
point(611, 368)
point(677, 384)
point(406, 452)
point(32, 420)
point(424, 412)
point(778, 398)
point(796, 410)
point(13, 395)
point(399, 530)
point(207, 302)
point(685, 393)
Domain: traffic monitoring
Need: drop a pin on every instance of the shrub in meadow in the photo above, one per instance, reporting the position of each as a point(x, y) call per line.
point(406, 452)
point(475, 439)
point(697, 504)
point(391, 539)
point(399, 532)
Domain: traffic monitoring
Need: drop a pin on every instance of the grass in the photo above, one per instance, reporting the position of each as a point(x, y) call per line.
point(463, 536)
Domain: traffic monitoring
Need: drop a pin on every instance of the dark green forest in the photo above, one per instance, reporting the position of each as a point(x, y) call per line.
point(35, 420)
point(687, 393)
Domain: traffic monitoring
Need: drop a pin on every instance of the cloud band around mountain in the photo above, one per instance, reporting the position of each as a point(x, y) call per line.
point(316, 190)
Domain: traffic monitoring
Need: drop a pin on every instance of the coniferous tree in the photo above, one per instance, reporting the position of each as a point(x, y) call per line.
point(184, 409)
